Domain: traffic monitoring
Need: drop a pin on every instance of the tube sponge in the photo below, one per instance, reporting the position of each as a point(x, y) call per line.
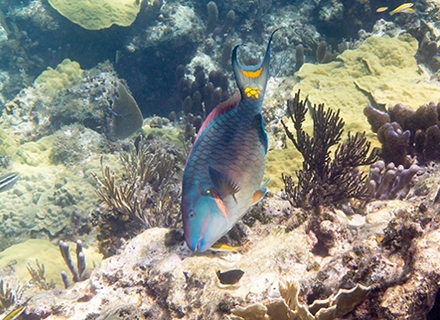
point(98, 14)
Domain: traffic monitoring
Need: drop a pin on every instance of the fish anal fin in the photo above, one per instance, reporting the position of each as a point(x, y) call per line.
point(224, 185)
point(259, 195)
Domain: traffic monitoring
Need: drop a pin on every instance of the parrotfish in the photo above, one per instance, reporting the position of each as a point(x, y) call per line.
point(225, 167)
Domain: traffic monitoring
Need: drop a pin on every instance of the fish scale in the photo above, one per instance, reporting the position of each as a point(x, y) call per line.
point(224, 170)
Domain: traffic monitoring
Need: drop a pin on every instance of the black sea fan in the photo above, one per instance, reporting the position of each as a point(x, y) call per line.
point(323, 180)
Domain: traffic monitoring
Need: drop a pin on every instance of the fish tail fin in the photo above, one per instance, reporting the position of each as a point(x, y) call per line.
point(252, 80)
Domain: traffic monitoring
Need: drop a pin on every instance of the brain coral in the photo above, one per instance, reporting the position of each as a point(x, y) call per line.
point(98, 14)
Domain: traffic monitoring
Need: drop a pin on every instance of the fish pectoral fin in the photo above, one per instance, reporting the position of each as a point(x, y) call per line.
point(259, 195)
point(224, 185)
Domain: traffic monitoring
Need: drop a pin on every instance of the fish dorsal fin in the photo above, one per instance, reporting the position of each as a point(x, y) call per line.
point(223, 183)
point(222, 108)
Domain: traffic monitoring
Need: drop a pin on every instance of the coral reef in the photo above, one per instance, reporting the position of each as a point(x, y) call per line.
point(311, 263)
point(322, 180)
point(37, 13)
point(46, 202)
point(38, 276)
point(380, 71)
point(18, 258)
point(177, 29)
point(407, 135)
point(291, 308)
point(391, 182)
point(147, 194)
point(73, 144)
point(96, 98)
point(392, 253)
point(77, 273)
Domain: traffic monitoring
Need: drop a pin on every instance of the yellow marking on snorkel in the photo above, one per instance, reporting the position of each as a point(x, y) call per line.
point(252, 93)
point(252, 74)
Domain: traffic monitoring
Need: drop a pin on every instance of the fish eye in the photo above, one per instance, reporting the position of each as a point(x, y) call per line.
point(191, 214)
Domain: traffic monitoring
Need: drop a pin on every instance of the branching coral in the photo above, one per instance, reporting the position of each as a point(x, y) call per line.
point(9, 295)
point(406, 133)
point(148, 192)
point(322, 180)
point(391, 182)
point(80, 258)
point(145, 192)
point(38, 276)
point(200, 96)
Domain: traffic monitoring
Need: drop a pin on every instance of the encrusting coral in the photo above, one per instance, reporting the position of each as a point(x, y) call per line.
point(322, 180)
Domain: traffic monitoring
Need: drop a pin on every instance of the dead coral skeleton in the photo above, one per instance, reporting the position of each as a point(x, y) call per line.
point(290, 308)
point(146, 192)
point(322, 180)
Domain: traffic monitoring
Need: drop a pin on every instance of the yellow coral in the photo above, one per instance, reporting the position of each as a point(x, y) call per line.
point(48, 254)
point(51, 81)
point(98, 14)
point(383, 67)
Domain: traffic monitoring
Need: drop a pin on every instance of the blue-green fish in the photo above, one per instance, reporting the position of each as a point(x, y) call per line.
point(225, 167)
